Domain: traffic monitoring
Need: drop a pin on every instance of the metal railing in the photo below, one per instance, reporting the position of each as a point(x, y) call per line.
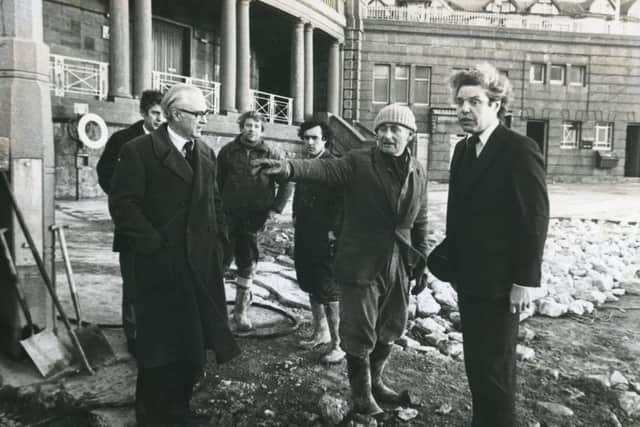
point(78, 76)
point(505, 20)
point(211, 90)
point(275, 107)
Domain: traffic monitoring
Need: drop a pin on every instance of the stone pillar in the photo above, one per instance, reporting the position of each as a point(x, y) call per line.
point(25, 123)
point(308, 71)
point(142, 47)
point(119, 50)
point(297, 71)
point(244, 57)
point(333, 76)
point(228, 56)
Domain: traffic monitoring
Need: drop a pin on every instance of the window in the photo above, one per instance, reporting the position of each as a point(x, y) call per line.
point(556, 74)
point(422, 85)
point(381, 83)
point(604, 136)
point(570, 135)
point(538, 73)
point(577, 74)
point(401, 84)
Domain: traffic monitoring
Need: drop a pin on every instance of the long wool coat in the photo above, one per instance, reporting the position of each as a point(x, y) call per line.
point(171, 217)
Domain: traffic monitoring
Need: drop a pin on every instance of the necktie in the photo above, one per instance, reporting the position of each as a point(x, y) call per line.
point(188, 153)
point(472, 141)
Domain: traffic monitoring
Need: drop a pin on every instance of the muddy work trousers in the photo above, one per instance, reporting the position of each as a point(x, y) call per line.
point(243, 242)
point(376, 312)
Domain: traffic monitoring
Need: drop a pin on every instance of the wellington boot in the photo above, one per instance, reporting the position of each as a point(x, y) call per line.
point(320, 334)
point(359, 374)
point(383, 393)
point(335, 354)
point(242, 304)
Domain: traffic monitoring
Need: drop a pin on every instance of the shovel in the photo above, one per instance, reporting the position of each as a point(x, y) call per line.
point(43, 347)
point(93, 341)
point(43, 272)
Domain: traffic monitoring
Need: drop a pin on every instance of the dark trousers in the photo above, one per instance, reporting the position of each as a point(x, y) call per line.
point(163, 394)
point(128, 273)
point(490, 333)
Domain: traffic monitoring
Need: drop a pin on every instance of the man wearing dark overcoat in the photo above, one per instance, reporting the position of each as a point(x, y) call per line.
point(317, 218)
point(152, 118)
point(497, 218)
point(381, 247)
point(165, 202)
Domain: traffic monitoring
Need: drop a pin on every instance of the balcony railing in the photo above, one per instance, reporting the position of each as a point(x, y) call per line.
point(275, 107)
point(508, 20)
point(211, 90)
point(78, 76)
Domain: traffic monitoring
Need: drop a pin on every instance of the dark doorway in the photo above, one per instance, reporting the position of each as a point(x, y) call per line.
point(632, 151)
point(171, 47)
point(537, 130)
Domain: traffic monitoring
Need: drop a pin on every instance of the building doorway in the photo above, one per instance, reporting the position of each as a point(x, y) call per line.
point(171, 47)
point(537, 130)
point(632, 152)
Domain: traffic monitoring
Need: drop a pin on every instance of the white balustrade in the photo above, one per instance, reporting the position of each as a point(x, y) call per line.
point(68, 75)
point(211, 90)
point(275, 108)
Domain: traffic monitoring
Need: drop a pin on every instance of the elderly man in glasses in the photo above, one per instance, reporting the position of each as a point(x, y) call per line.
point(248, 202)
point(165, 202)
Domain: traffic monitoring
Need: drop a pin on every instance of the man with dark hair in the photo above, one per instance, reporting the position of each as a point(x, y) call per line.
point(497, 218)
point(248, 202)
point(381, 248)
point(165, 202)
point(317, 217)
point(152, 118)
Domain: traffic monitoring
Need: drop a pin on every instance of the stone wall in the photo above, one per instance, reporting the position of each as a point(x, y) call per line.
point(609, 95)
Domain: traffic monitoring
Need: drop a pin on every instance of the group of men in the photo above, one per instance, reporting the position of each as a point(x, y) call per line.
point(182, 214)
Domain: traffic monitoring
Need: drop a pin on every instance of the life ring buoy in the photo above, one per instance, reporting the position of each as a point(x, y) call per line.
point(97, 135)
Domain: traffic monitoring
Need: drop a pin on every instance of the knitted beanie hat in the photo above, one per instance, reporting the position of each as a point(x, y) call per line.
point(398, 114)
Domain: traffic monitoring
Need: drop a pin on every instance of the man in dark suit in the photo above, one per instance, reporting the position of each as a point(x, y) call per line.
point(317, 218)
point(381, 247)
point(152, 118)
point(497, 218)
point(165, 201)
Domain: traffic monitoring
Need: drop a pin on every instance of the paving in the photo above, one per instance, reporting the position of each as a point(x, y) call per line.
point(98, 280)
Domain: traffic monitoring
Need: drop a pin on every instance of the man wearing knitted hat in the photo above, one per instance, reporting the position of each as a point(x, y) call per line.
point(381, 248)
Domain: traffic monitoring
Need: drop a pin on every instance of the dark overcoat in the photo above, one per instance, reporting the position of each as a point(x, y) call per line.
point(374, 220)
point(172, 219)
point(497, 215)
point(107, 165)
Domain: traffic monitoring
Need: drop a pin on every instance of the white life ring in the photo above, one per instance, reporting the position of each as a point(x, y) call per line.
point(97, 136)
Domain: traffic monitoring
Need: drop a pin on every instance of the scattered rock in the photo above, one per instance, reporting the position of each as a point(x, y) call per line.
point(285, 260)
point(428, 325)
point(451, 348)
point(406, 414)
point(435, 338)
point(632, 287)
point(332, 409)
point(445, 294)
point(427, 305)
point(526, 334)
point(524, 352)
point(596, 384)
point(629, 402)
point(269, 413)
point(635, 386)
point(454, 317)
point(444, 409)
point(618, 381)
point(555, 409)
point(408, 342)
point(548, 307)
point(455, 336)
point(576, 308)
point(614, 419)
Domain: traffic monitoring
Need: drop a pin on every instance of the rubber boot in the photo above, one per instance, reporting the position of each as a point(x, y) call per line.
point(382, 392)
point(242, 304)
point(335, 354)
point(359, 374)
point(320, 329)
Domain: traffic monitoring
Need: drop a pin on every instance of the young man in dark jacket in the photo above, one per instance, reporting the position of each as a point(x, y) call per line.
point(382, 246)
point(152, 118)
point(317, 217)
point(248, 202)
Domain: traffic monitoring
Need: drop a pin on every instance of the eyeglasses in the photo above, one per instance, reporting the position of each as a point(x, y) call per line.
point(197, 114)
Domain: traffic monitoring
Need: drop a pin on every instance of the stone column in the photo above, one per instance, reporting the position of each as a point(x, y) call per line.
point(228, 56)
point(119, 53)
point(308, 71)
point(244, 57)
point(25, 125)
point(297, 71)
point(142, 47)
point(333, 86)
